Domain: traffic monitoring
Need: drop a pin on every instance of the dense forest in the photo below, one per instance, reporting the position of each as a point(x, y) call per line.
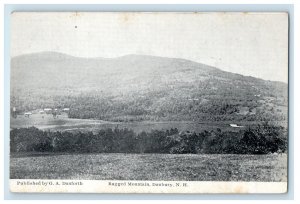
point(193, 104)
point(263, 139)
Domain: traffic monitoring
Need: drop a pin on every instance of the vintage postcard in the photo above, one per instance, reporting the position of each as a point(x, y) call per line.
point(145, 102)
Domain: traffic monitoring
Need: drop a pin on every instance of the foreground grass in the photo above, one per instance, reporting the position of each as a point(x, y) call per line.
point(150, 167)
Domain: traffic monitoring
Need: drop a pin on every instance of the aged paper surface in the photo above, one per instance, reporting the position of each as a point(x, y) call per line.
point(93, 186)
point(133, 102)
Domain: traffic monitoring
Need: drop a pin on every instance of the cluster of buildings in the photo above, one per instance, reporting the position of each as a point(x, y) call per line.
point(54, 111)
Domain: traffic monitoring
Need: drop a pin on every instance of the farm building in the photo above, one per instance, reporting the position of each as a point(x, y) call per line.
point(48, 110)
point(27, 114)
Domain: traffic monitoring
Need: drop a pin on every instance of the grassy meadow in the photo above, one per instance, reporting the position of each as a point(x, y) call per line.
point(114, 166)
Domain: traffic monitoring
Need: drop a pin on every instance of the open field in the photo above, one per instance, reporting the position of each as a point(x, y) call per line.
point(214, 167)
point(63, 123)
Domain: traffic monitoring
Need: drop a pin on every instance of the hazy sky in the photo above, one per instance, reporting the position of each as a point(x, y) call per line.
point(246, 43)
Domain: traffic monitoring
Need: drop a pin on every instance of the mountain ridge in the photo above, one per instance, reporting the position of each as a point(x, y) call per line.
point(64, 56)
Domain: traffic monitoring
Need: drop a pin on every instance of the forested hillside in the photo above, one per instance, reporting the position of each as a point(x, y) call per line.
point(136, 88)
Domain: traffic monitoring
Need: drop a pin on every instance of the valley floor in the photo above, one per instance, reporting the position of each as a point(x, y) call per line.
point(63, 123)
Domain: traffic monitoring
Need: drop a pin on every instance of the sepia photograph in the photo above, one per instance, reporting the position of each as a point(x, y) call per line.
point(149, 102)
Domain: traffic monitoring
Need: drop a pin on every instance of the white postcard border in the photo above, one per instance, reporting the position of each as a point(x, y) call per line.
point(131, 186)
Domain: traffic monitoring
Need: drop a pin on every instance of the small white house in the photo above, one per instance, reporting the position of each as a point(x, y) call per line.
point(66, 109)
point(48, 110)
point(235, 126)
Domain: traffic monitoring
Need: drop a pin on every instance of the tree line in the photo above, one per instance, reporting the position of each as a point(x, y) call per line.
point(262, 139)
